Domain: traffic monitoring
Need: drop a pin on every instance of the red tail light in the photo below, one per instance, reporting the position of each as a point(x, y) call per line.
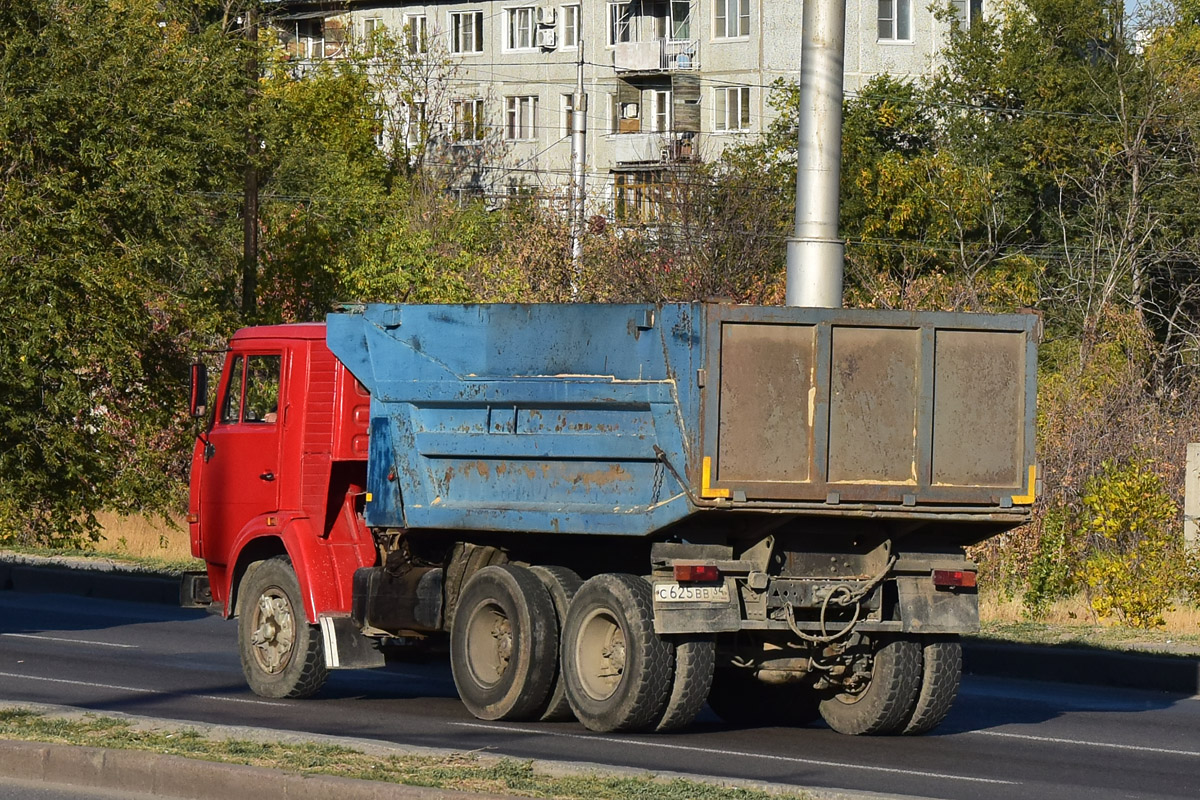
point(954, 578)
point(697, 573)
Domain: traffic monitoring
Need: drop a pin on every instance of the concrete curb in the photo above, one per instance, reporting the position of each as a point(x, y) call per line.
point(178, 777)
point(72, 765)
point(1082, 665)
point(37, 575)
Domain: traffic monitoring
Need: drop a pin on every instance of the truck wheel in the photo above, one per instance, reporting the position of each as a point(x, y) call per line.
point(695, 658)
point(941, 674)
point(885, 704)
point(562, 584)
point(281, 653)
point(618, 671)
point(503, 643)
point(739, 698)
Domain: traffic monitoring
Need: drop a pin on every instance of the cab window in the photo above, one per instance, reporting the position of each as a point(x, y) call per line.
point(262, 389)
point(252, 395)
point(231, 404)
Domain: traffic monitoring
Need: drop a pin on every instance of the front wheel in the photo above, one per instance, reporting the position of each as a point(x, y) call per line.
point(281, 653)
point(884, 703)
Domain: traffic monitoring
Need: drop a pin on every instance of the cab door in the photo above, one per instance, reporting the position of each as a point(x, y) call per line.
point(243, 453)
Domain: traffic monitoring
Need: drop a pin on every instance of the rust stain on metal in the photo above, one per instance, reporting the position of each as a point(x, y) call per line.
point(606, 477)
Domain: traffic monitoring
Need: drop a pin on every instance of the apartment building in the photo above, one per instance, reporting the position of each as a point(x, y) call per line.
point(667, 81)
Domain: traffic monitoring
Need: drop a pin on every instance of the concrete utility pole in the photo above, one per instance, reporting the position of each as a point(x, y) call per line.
point(250, 201)
point(578, 172)
point(815, 254)
point(1191, 500)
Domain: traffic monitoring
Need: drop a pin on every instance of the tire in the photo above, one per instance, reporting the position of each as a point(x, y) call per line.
point(562, 584)
point(619, 672)
point(503, 643)
point(695, 658)
point(941, 674)
point(281, 653)
point(886, 704)
point(739, 698)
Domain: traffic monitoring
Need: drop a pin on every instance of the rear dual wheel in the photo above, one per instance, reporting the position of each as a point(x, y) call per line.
point(912, 686)
point(503, 644)
point(622, 676)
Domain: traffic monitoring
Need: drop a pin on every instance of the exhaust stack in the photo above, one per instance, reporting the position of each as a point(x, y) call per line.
point(815, 254)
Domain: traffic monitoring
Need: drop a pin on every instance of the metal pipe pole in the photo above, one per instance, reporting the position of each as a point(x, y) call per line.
point(578, 173)
point(815, 254)
point(250, 189)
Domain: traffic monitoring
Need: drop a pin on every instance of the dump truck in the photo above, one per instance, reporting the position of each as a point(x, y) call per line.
point(619, 512)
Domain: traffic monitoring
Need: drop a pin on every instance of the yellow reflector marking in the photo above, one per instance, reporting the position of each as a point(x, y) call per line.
point(706, 479)
point(1026, 499)
point(370, 497)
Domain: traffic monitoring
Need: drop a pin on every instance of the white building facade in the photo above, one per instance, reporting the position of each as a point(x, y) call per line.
point(667, 81)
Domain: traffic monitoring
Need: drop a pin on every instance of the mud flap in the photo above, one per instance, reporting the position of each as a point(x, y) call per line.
point(345, 646)
point(924, 608)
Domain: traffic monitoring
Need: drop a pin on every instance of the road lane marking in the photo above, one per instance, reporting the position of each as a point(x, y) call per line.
point(69, 641)
point(737, 753)
point(138, 689)
point(1055, 740)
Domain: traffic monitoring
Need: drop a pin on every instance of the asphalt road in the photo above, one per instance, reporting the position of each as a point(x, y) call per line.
point(1005, 738)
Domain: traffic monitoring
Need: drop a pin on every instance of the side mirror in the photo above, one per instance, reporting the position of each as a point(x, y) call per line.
point(198, 401)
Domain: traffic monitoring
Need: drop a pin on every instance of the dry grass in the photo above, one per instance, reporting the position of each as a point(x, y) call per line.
point(143, 537)
point(1072, 621)
point(462, 771)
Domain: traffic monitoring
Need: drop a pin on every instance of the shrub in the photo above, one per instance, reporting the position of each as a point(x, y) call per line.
point(1137, 566)
point(1053, 572)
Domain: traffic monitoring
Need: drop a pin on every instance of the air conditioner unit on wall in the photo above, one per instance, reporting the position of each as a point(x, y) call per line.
point(547, 38)
point(547, 15)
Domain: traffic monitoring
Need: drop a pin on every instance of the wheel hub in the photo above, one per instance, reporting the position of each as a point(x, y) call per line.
point(274, 631)
point(601, 654)
point(490, 643)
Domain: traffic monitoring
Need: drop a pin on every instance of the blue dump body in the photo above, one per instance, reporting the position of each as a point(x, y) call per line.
point(626, 419)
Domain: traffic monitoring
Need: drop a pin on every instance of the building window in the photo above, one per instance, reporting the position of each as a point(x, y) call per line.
point(571, 26)
point(416, 34)
point(639, 197)
point(568, 115)
point(520, 28)
point(661, 122)
point(468, 120)
point(894, 20)
point(414, 123)
point(681, 19)
point(371, 27)
point(519, 117)
point(733, 19)
point(620, 23)
point(968, 11)
point(733, 109)
point(466, 32)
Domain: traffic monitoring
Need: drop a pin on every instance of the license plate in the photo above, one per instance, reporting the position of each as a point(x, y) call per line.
point(691, 593)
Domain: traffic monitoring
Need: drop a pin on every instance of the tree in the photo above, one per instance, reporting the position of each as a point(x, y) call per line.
point(118, 139)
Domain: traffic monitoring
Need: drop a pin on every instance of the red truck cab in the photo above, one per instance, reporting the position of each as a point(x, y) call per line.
point(281, 468)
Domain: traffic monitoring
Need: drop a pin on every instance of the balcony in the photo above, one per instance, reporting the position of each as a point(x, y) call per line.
point(659, 55)
point(652, 148)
